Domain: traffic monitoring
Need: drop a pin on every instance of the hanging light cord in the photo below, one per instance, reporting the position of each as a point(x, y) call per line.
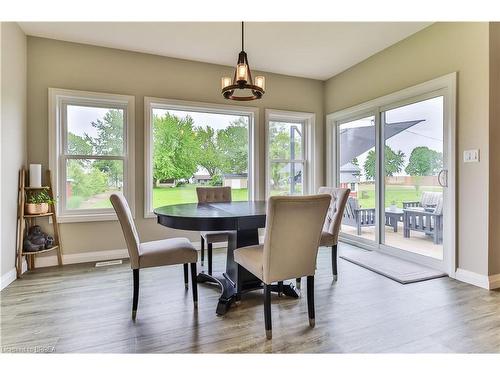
point(242, 35)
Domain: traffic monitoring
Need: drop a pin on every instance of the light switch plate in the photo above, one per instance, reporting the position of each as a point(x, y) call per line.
point(471, 156)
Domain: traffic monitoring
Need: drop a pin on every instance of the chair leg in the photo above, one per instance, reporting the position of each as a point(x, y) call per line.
point(210, 259)
point(310, 300)
point(267, 311)
point(202, 241)
point(136, 293)
point(334, 262)
point(297, 282)
point(186, 278)
point(280, 288)
point(194, 281)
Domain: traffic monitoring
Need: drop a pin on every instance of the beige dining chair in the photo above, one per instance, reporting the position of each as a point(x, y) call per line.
point(154, 253)
point(333, 222)
point(219, 194)
point(293, 233)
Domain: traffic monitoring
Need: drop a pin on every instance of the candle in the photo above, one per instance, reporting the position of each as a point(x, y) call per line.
point(35, 175)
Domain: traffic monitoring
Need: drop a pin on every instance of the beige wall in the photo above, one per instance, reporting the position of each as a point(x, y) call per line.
point(494, 256)
point(435, 51)
point(13, 134)
point(82, 67)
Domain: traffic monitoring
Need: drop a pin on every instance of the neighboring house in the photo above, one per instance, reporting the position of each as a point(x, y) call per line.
point(235, 181)
point(201, 179)
point(349, 177)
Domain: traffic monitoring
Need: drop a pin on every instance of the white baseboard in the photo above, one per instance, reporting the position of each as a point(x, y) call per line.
point(473, 278)
point(97, 256)
point(8, 278)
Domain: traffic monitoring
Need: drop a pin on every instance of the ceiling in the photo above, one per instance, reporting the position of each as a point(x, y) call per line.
point(316, 50)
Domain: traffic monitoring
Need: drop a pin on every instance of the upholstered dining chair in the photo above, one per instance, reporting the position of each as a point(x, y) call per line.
point(219, 194)
point(333, 222)
point(154, 253)
point(293, 233)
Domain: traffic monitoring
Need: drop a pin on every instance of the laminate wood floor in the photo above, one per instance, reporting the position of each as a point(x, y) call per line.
point(80, 308)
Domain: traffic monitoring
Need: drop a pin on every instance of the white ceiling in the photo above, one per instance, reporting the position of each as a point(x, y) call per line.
point(305, 49)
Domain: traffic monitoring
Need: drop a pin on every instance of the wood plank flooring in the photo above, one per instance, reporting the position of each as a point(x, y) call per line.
point(80, 308)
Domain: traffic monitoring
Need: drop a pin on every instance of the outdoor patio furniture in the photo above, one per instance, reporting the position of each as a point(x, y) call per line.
point(425, 216)
point(392, 217)
point(358, 217)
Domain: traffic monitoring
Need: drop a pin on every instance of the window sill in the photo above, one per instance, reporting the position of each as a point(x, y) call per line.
point(86, 218)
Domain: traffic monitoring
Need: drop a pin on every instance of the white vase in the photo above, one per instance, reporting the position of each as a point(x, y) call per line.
point(35, 175)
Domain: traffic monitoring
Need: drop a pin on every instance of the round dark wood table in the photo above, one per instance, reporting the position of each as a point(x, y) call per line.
point(242, 220)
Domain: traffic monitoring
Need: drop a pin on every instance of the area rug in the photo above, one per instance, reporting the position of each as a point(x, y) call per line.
point(399, 270)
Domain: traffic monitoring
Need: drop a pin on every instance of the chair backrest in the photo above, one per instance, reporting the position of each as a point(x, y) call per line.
point(293, 232)
point(351, 207)
point(217, 194)
point(335, 212)
point(430, 198)
point(128, 227)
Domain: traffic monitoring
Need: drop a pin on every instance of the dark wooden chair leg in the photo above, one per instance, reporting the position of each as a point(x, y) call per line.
point(280, 288)
point(297, 282)
point(334, 262)
point(194, 281)
point(210, 259)
point(186, 277)
point(202, 241)
point(136, 293)
point(267, 311)
point(310, 300)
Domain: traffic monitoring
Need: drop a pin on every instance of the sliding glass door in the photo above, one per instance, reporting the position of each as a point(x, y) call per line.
point(414, 177)
point(395, 154)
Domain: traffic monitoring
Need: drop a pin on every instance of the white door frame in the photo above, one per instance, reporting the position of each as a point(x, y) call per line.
point(442, 86)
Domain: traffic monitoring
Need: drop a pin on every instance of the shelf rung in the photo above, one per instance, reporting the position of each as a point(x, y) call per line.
point(37, 188)
point(40, 251)
point(40, 215)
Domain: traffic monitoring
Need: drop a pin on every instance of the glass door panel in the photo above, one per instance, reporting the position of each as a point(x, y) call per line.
point(414, 177)
point(357, 171)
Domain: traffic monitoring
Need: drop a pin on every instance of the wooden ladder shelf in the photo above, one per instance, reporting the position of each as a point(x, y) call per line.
point(25, 221)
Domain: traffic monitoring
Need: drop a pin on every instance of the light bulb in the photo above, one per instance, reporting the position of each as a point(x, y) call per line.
point(261, 82)
point(226, 81)
point(242, 72)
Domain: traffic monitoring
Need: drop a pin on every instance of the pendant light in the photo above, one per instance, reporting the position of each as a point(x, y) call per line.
point(233, 89)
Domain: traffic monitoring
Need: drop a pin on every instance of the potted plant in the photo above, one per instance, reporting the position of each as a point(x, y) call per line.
point(38, 202)
point(393, 206)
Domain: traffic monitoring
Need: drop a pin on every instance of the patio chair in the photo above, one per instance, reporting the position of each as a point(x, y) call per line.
point(358, 217)
point(425, 216)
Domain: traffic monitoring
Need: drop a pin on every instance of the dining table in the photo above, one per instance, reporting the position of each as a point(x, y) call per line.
point(242, 220)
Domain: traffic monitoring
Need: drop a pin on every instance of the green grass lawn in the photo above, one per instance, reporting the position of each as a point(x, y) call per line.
point(187, 194)
point(396, 193)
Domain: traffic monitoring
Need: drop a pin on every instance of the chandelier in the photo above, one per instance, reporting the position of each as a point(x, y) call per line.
point(242, 86)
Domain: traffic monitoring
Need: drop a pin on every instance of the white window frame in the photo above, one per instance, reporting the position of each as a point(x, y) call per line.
point(58, 100)
point(190, 106)
point(308, 157)
point(442, 86)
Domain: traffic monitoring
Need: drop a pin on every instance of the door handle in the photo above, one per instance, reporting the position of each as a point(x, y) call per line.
point(440, 175)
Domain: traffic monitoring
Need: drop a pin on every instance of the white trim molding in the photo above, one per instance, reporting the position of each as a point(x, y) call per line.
point(59, 99)
point(8, 278)
point(442, 86)
point(190, 106)
point(473, 278)
point(308, 158)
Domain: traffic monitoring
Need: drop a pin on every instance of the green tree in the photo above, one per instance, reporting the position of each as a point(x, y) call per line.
point(232, 145)
point(393, 163)
point(279, 148)
point(78, 145)
point(109, 141)
point(209, 155)
point(424, 162)
point(176, 148)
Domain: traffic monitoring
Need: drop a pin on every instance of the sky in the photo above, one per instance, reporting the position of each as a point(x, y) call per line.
point(426, 133)
point(215, 120)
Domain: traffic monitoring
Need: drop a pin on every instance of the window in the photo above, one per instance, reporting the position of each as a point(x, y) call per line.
point(197, 144)
point(90, 152)
point(289, 155)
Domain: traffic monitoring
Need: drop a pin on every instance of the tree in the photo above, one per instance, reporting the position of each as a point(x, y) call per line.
point(209, 156)
point(109, 141)
point(232, 145)
point(78, 145)
point(393, 163)
point(176, 148)
point(424, 162)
